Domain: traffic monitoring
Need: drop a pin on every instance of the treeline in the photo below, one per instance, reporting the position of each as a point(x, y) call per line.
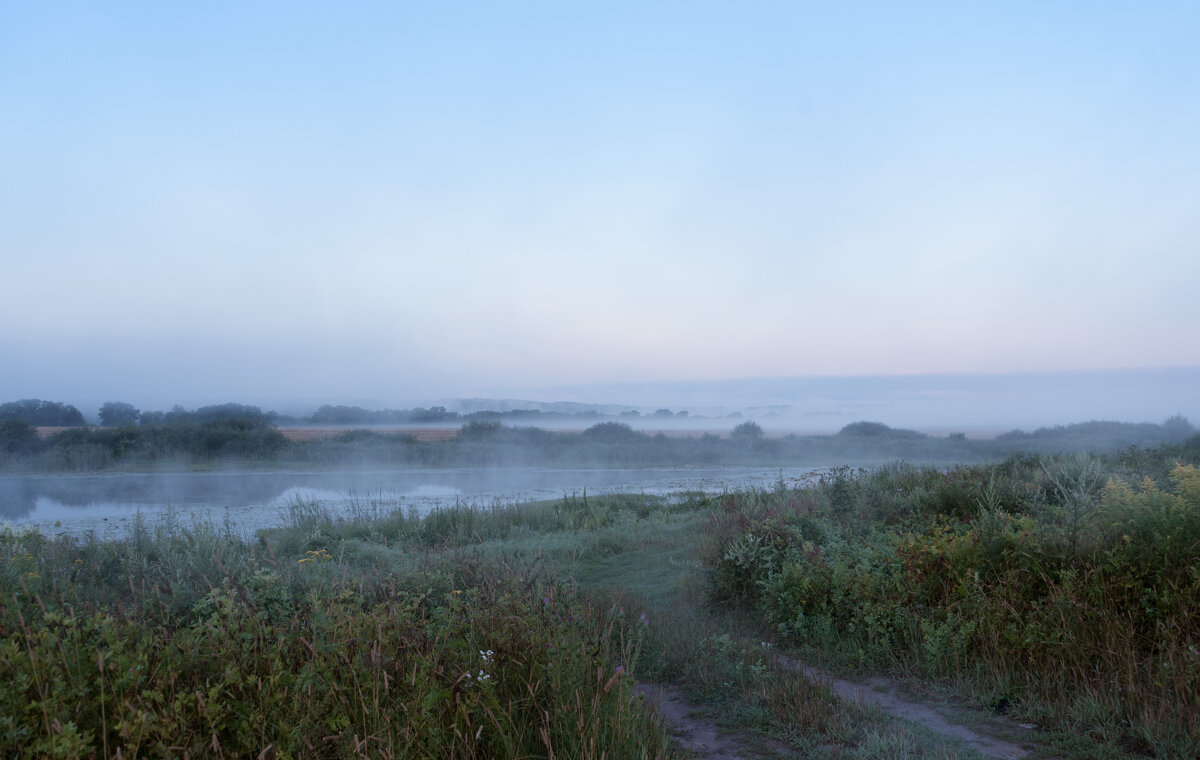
point(39, 413)
point(182, 442)
point(200, 440)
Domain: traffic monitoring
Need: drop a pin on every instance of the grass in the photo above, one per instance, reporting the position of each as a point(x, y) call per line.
point(1060, 585)
point(1064, 586)
point(186, 641)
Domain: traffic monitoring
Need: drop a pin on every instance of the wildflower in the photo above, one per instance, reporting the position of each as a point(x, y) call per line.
point(644, 620)
point(306, 559)
point(456, 592)
point(487, 655)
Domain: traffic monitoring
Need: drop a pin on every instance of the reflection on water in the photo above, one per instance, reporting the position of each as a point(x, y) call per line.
point(107, 503)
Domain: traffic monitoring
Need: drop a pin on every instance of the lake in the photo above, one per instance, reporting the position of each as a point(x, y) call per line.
point(107, 503)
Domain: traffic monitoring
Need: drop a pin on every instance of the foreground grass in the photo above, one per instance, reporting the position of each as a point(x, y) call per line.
point(1060, 589)
point(188, 642)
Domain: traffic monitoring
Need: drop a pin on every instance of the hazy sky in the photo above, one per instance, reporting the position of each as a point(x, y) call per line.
point(236, 201)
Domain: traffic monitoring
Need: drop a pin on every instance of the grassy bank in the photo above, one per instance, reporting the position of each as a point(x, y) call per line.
point(503, 633)
point(1060, 589)
point(1057, 589)
point(189, 642)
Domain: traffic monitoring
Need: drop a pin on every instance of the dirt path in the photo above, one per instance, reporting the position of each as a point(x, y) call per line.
point(700, 735)
point(882, 692)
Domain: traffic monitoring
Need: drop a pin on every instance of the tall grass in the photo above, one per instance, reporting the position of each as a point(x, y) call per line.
point(1067, 585)
point(186, 641)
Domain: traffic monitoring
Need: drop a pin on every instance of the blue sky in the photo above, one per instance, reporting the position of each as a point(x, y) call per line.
point(257, 201)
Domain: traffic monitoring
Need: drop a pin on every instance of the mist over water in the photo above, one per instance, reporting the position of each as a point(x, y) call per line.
point(108, 504)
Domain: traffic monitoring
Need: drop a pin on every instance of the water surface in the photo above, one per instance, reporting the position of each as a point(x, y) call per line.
point(107, 503)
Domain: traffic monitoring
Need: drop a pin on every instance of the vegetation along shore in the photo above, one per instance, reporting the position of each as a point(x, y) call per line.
point(1046, 600)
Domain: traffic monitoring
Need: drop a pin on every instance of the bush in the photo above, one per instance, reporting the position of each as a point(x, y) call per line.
point(1038, 578)
point(17, 437)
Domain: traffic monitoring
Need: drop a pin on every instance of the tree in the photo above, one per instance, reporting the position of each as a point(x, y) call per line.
point(229, 411)
point(39, 413)
point(1177, 428)
point(613, 432)
point(118, 414)
point(748, 430)
point(865, 429)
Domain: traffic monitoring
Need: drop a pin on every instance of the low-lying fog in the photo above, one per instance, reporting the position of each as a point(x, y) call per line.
point(107, 504)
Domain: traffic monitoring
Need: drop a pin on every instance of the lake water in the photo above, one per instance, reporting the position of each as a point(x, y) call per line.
point(107, 503)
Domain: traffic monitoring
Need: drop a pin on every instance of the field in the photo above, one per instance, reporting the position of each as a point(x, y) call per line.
point(899, 612)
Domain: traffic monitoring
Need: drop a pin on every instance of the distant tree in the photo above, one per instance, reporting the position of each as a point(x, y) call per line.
point(748, 430)
point(878, 430)
point(152, 418)
point(432, 414)
point(613, 432)
point(230, 411)
point(1177, 428)
point(16, 436)
point(663, 413)
point(340, 415)
point(865, 429)
point(177, 415)
point(477, 431)
point(118, 413)
point(39, 413)
point(631, 413)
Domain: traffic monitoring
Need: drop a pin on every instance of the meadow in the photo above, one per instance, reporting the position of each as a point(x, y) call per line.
point(1059, 590)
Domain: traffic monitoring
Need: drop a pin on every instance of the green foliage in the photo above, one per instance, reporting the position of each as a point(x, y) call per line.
point(877, 429)
point(243, 439)
point(17, 437)
point(749, 430)
point(612, 433)
point(118, 413)
point(245, 435)
point(180, 642)
point(1061, 581)
point(39, 413)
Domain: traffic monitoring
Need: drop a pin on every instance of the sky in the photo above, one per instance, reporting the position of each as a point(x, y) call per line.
point(214, 201)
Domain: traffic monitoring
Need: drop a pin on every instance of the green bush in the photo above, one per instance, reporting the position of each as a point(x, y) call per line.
point(178, 642)
point(1039, 578)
